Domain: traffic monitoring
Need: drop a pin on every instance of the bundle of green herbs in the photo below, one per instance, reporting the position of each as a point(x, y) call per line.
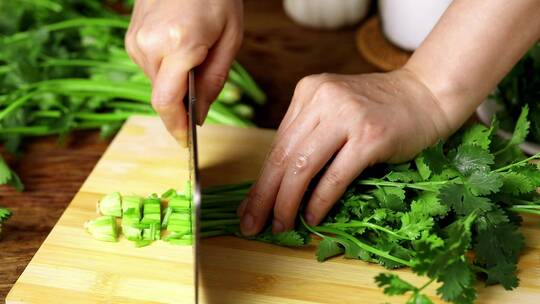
point(63, 67)
point(520, 87)
point(451, 214)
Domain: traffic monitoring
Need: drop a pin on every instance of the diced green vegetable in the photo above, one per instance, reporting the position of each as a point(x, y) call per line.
point(179, 204)
point(132, 204)
point(103, 228)
point(111, 204)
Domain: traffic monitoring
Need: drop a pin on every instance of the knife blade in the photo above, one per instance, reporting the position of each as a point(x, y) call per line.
point(190, 101)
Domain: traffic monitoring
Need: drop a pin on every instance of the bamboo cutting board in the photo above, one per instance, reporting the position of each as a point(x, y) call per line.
point(71, 267)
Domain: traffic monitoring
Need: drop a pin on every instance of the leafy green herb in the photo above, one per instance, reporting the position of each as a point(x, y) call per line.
point(5, 214)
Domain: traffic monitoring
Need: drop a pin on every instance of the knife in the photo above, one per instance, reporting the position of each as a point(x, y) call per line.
point(190, 101)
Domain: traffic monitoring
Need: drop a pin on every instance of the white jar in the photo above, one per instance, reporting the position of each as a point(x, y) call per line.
point(327, 14)
point(406, 23)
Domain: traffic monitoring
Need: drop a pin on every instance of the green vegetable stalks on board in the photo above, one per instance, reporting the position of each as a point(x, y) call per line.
point(63, 67)
point(456, 197)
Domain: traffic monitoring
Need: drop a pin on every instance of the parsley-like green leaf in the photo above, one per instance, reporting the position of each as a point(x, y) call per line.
point(393, 284)
point(457, 285)
point(428, 204)
point(521, 129)
point(477, 135)
point(484, 182)
point(459, 199)
point(469, 158)
point(328, 248)
point(9, 177)
point(516, 183)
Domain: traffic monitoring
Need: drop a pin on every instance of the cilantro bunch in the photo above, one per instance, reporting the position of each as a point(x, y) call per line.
point(451, 214)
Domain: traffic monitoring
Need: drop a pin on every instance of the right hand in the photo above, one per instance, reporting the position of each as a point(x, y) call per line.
point(167, 38)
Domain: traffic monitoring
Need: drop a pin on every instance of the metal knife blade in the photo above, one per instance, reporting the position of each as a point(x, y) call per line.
point(190, 101)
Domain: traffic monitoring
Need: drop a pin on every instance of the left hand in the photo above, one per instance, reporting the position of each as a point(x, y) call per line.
point(359, 119)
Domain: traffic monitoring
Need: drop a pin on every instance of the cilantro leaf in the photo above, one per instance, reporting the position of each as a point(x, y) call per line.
point(484, 182)
point(477, 135)
point(434, 158)
point(419, 298)
point(469, 158)
point(404, 176)
point(516, 183)
point(393, 284)
point(503, 273)
point(459, 199)
point(9, 177)
point(413, 224)
point(521, 129)
point(457, 281)
point(390, 197)
point(428, 204)
point(328, 248)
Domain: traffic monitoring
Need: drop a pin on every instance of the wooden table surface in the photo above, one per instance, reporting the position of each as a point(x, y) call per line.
point(276, 51)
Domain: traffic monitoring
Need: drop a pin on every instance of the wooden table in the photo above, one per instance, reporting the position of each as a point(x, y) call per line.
point(276, 51)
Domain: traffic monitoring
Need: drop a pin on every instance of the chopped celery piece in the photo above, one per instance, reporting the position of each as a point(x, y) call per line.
point(152, 209)
point(103, 228)
point(153, 233)
point(132, 215)
point(179, 222)
point(131, 233)
point(151, 218)
point(230, 93)
point(179, 204)
point(132, 203)
point(151, 205)
point(111, 204)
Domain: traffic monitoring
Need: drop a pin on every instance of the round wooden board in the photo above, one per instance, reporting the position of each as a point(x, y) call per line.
point(377, 49)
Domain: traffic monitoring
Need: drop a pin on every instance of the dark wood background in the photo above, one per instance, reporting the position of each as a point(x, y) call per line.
point(276, 51)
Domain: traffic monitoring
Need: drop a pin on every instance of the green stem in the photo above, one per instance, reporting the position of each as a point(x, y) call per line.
point(537, 212)
point(426, 186)
point(362, 245)
point(90, 63)
point(70, 23)
point(353, 224)
point(15, 105)
point(220, 223)
point(519, 163)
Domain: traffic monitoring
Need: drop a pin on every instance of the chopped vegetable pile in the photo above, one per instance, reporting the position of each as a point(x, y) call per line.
point(461, 196)
point(5, 214)
point(63, 67)
point(520, 87)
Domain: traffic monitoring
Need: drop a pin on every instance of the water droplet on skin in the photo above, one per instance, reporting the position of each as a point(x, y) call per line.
point(301, 162)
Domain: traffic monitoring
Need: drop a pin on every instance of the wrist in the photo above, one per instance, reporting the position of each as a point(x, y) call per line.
point(448, 100)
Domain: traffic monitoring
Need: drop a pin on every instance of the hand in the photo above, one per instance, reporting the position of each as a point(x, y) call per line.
point(167, 38)
point(359, 119)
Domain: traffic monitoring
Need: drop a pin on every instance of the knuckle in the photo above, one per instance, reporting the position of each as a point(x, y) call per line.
point(373, 130)
point(329, 90)
point(319, 199)
point(146, 39)
point(301, 162)
point(333, 178)
point(163, 100)
point(256, 201)
point(217, 80)
point(278, 156)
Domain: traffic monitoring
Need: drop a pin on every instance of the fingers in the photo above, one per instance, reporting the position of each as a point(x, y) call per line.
point(351, 160)
point(261, 198)
point(213, 73)
point(306, 161)
point(170, 85)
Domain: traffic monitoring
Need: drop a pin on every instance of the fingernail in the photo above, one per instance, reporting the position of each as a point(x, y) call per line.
point(277, 227)
point(241, 209)
point(247, 224)
point(310, 219)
